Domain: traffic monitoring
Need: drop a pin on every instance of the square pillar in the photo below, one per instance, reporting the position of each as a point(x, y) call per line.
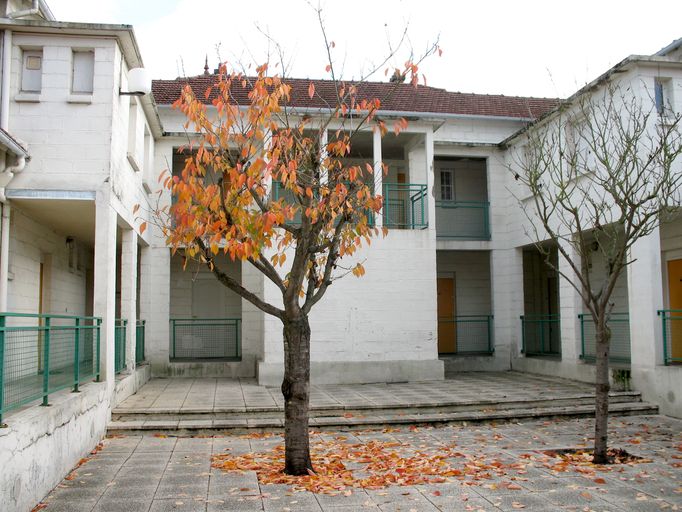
point(645, 297)
point(378, 172)
point(506, 278)
point(430, 180)
point(570, 306)
point(104, 293)
point(155, 271)
point(129, 291)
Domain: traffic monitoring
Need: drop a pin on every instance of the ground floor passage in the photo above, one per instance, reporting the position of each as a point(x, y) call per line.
point(149, 473)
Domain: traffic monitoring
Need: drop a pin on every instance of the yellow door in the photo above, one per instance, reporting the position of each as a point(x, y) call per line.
point(675, 295)
point(447, 332)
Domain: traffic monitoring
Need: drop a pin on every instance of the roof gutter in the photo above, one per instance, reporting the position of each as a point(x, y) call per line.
point(425, 116)
point(13, 145)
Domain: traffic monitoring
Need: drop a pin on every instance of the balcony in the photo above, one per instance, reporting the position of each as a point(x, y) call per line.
point(405, 206)
point(199, 339)
point(540, 335)
point(462, 220)
point(41, 354)
point(619, 351)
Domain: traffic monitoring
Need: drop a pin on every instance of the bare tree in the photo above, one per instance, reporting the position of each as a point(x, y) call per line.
point(601, 172)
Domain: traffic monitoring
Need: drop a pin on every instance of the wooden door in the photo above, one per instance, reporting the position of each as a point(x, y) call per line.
point(675, 296)
point(447, 329)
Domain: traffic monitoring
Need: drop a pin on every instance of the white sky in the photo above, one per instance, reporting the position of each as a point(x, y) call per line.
point(514, 47)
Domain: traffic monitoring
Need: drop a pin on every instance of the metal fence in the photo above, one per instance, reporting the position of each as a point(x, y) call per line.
point(473, 334)
point(540, 335)
point(205, 338)
point(139, 341)
point(463, 220)
point(405, 206)
point(672, 335)
point(619, 350)
point(41, 354)
point(120, 345)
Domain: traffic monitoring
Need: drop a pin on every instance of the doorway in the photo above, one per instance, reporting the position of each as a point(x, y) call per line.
point(447, 310)
point(675, 304)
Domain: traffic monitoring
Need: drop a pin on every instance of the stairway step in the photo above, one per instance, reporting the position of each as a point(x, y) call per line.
point(215, 413)
point(179, 425)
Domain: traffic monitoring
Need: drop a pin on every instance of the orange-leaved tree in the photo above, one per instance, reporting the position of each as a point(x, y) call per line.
point(262, 185)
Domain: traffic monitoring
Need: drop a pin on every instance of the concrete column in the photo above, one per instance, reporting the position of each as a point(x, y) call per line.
point(104, 293)
point(506, 276)
point(155, 278)
point(378, 172)
point(129, 291)
point(645, 297)
point(430, 179)
point(570, 306)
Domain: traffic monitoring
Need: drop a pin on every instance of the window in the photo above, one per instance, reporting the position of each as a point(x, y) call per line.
point(663, 97)
point(447, 185)
point(82, 71)
point(32, 71)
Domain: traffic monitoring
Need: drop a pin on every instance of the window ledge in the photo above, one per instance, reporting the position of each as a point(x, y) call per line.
point(133, 162)
point(27, 97)
point(79, 98)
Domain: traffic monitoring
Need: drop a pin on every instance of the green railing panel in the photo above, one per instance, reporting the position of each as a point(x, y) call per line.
point(120, 345)
point(540, 335)
point(672, 335)
point(405, 206)
point(205, 338)
point(41, 354)
point(473, 333)
point(139, 341)
point(619, 350)
point(463, 220)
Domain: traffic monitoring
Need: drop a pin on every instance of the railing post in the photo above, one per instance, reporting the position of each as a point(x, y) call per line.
point(2, 363)
point(542, 335)
point(98, 323)
point(172, 322)
point(523, 335)
point(46, 359)
point(582, 336)
point(239, 338)
point(76, 357)
point(661, 313)
point(490, 337)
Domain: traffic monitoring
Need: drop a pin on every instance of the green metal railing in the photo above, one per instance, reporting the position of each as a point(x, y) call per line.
point(540, 335)
point(120, 345)
point(41, 354)
point(462, 220)
point(205, 338)
point(672, 335)
point(619, 350)
point(473, 333)
point(139, 341)
point(405, 206)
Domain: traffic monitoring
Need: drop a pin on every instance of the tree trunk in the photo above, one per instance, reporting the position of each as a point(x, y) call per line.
point(296, 391)
point(601, 413)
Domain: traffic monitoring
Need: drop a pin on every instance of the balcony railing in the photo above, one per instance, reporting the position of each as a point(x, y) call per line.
point(139, 341)
point(672, 335)
point(473, 334)
point(405, 206)
point(41, 354)
point(120, 345)
point(205, 338)
point(462, 220)
point(540, 335)
point(619, 350)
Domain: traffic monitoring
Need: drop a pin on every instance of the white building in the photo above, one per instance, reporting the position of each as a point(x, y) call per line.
point(443, 292)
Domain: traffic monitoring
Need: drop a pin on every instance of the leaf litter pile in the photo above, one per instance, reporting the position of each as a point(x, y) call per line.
point(341, 465)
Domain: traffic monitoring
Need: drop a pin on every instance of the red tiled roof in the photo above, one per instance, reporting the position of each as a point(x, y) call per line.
point(394, 97)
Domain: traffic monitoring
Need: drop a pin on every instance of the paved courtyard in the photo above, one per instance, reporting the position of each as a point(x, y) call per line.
point(188, 395)
point(503, 468)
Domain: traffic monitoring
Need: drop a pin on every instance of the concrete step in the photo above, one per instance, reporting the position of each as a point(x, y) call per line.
point(179, 424)
point(219, 413)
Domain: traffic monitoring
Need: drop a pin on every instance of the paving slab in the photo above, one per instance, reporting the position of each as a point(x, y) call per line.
point(157, 474)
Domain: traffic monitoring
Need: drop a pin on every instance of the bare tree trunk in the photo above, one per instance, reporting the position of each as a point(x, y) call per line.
point(296, 391)
point(601, 413)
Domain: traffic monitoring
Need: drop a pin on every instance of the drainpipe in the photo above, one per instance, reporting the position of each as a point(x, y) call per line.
point(4, 86)
point(7, 175)
point(35, 9)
